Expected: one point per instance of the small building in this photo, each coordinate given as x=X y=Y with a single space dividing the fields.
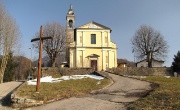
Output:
x=155 y=63
x=122 y=65
x=63 y=64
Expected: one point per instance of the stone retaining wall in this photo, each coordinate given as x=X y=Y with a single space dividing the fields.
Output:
x=142 y=71
x=49 y=71
x=22 y=102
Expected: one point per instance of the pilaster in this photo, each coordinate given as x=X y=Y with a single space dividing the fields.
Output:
x=83 y=39
x=108 y=39
x=109 y=58
x=83 y=58
x=103 y=62
x=102 y=38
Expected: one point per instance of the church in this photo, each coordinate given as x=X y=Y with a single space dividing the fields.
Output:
x=89 y=45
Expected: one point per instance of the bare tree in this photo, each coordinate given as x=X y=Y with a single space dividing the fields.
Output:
x=9 y=37
x=55 y=46
x=149 y=44
x=23 y=68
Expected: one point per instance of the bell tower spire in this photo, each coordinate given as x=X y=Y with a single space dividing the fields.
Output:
x=70 y=18
x=70 y=6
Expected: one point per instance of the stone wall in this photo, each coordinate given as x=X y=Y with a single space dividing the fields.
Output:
x=20 y=102
x=23 y=102
x=143 y=71
x=49 y=71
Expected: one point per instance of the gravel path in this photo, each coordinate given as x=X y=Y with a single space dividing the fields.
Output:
x=123 y=90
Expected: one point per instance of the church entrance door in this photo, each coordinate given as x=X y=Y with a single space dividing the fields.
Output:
x=94 y=64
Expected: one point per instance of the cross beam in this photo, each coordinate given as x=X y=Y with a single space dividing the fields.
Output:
x=40 y=39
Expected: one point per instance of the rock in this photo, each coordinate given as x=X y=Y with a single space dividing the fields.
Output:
x=20 y=101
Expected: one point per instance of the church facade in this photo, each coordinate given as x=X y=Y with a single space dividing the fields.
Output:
x=89 y=45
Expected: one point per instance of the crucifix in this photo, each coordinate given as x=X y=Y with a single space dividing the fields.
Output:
x=40 y=39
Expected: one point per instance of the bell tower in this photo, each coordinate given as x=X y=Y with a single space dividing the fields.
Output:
x=70 y=20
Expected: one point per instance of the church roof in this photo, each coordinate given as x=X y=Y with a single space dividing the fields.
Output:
x=93 y=25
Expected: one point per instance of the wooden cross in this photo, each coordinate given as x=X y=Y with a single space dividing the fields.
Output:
x=40 y=39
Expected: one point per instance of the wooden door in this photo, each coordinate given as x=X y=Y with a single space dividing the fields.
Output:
x=94 y=64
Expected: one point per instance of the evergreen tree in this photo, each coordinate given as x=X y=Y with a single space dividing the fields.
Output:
x=9 y=71
x=176 y=62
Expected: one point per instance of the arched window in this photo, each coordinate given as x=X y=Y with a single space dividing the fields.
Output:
x=70 y=23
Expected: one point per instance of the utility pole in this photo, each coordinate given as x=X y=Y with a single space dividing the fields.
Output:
x=40 y=39
x=133 y=51
x=31 y=58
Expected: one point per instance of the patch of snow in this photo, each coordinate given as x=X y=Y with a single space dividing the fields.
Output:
x=44 y=79
x=51 y=80
x=96 y=77
x=167 y=76
x=72 y=77
x=81 y=76
x=31 y=82
x=142 y=76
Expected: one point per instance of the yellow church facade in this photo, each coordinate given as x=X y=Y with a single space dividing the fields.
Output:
x=91 y=46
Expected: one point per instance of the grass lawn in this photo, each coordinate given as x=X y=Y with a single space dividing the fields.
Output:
x=164 y=97
x=63 y=89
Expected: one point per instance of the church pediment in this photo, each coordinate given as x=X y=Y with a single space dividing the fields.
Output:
x=93 y=56
x=93 y=25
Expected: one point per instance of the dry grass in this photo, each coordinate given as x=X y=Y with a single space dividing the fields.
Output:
x=64 y=89
x=165 y=97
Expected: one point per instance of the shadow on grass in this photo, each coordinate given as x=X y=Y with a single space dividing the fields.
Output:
x=142 y=94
